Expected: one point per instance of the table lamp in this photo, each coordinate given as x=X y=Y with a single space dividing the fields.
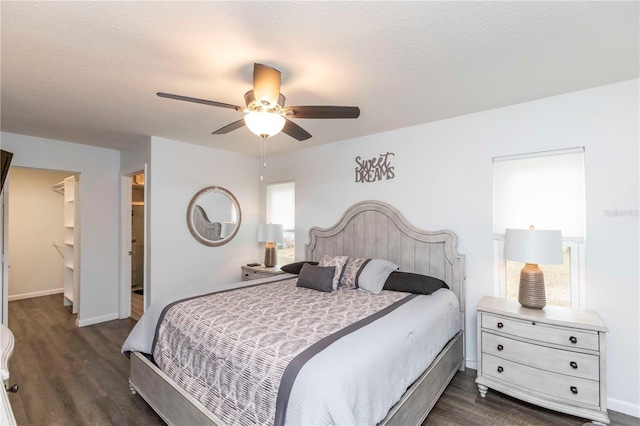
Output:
x=270 y=233
x=533 y=247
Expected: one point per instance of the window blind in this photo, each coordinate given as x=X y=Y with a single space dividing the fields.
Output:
x=544 y=189
x=281 y=204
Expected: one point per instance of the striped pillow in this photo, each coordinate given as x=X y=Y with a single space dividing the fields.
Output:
x=351 y=270
x=338 y=262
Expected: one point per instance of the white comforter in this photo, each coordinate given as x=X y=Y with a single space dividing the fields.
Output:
x=360 y=388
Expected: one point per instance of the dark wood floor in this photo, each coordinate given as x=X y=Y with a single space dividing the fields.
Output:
x=69 y=375
x=77 y=376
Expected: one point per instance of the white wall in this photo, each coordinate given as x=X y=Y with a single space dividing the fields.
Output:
x=36 y=221
x=443 y=179
x=99 y=215
x=177 y=172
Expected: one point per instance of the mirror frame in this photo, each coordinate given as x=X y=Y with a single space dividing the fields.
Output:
x=192 y=206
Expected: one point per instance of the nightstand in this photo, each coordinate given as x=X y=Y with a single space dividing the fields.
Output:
x=552 y=357
x=257 y=272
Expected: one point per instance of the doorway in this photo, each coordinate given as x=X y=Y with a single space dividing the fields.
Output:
x=43 y=235
x=137 y=245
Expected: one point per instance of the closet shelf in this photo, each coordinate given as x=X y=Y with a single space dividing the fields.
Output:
x=71 y=255
x=58 y=187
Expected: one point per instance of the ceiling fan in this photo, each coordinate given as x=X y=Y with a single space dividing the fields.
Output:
x=265 y=113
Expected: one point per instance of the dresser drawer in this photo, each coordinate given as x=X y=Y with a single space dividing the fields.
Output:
x=570 y=337
x=561 y=361
x=573 y=389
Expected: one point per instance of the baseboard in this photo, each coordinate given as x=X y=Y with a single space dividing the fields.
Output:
x=34 y=294
x=472 y=364
x=623 y=407
x=95 y=320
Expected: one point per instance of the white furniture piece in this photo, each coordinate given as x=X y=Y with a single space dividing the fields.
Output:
x=6 y=350
x=554 y=357
x=369 y=229
x=257 y=272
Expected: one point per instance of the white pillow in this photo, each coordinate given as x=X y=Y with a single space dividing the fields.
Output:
x=374 y=274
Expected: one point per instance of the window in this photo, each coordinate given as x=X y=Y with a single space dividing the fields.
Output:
x=545 y=190
x=281 y=209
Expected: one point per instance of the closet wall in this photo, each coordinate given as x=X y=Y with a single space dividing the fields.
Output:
x=36 y=237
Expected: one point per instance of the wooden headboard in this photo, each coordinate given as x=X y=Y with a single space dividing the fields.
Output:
x=376 y=230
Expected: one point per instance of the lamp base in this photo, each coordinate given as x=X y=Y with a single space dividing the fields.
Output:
x=270 y=255
x=531 y=293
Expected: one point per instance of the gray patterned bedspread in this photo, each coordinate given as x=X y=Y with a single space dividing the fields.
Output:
x=230 y=350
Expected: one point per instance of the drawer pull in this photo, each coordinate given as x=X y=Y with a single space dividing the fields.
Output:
x=574 y=390
x=500 y=369
x=573 y=364
x=500 y=325
x=500 y=347
x=573 y=339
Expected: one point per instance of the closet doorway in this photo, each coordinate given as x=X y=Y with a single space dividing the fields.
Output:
x=137 y=246
x=44 y=235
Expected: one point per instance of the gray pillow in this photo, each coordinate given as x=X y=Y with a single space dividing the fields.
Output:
x=316 y=277
x=374 y=274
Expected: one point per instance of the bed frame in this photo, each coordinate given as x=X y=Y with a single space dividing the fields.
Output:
x=369 y=229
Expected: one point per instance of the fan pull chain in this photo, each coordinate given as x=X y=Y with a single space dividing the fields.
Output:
x=264 y=163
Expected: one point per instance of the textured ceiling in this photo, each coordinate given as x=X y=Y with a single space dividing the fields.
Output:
x=88 y=72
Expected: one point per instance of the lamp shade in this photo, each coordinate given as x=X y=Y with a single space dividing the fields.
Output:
x=270 y=232
x=264 y=124
x=533 y=246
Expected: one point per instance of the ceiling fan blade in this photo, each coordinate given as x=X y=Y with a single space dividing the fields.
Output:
x=229 y=127
x=295 y=131
x=198 y=101
x=266 y=84
x=323 y=112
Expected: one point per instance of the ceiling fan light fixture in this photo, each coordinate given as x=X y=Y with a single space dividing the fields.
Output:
x=264 y=124
x=265 y=113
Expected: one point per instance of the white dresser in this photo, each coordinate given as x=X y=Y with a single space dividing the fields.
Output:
x=553 y=357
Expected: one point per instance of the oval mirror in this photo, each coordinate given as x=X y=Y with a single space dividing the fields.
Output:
x=214 y=216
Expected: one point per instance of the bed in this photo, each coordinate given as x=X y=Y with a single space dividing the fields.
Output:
x=367 y=230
